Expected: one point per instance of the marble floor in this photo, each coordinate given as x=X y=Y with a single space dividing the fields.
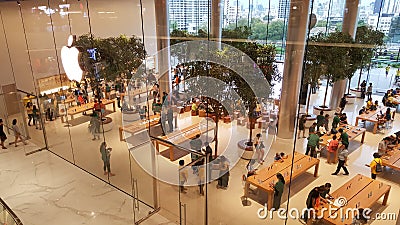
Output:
x=43 y=188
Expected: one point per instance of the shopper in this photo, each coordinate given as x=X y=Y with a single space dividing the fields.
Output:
x=17 y=133
x=375 y=165
x=363 y=86
x=106 y=156
x=170 y=119
x=369 y=91
x=259 y=145
x=143 y=112
x=278 y=191
x=342 y=103
x=326 y=122
x=312 y=203
x=302 y=124
x=335 y=121
x=388 y=118
x=94 y=126
x=312 y=128
x=3 y=136
x=344 y=153
x=344 y=138
x=313 y=143
x=320 y=119
x=36 y=118
x=201 y=176
x=332 y=150
x=29 y=108
x=325 y=191
x=223 y=173
x=183 y=176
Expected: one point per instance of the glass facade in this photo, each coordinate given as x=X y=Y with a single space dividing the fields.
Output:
x=146 y=141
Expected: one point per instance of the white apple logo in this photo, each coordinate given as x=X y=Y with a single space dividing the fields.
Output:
x=70 y=60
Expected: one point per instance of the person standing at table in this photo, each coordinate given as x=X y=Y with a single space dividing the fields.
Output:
x=313 y=143
x=3 y=136
x=17 y=133
x=302 y=124
x=312 y=128
x=363 y=86
x=278 y=191
x=326 y=122
x=312 y=203
x=335 y=121
x=259 y=144
x=170 y=119
x=105 y=156
x=344 y=138
x=343 y=155
x=375 y=165
x=332 y=150
x=320 y=119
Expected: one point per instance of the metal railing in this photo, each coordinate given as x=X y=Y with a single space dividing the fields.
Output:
x=7 y=216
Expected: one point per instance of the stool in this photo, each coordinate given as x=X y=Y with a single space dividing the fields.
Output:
x=188 y=108
x=194 y=113
x=227 y=119
x=181 y=109
x=202 y=113
x=241 y=121
x=261 y=124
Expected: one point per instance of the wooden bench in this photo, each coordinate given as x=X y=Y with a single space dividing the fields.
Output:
x=267 y=176
x=359 y=192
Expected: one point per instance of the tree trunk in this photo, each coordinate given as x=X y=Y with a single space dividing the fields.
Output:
x=359 y=79
x=308 y=100
x=326 y=91
x=348 y=88
x=216 y=132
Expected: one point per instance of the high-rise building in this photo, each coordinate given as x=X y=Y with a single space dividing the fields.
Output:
x=377 y=6
x=231 y=11
x=188 y=15
x=337 y=8
x=283 y=10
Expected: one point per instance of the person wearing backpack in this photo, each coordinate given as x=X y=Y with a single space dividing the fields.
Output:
x=375 y=165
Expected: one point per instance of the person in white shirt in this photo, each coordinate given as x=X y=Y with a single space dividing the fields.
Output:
x=17 y=133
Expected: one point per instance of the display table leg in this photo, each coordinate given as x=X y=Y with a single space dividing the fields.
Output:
x=385 y=199
x=316 y=170
x=362 y=138
x=270 y=200
x=375 y=127
x=121 y=138
x=356 y=121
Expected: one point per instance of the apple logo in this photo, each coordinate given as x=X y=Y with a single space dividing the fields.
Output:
x=70 y=60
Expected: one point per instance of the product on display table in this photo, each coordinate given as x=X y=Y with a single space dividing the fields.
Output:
x=372 y=116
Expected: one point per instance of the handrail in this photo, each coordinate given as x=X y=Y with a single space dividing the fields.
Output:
x=10 y=212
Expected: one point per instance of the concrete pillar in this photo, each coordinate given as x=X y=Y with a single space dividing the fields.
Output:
x=295 y=43
x=162 y=33
x=216 y=20
x=349 y=26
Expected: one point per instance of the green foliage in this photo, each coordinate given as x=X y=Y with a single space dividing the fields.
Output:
x=321 y=23
x=117 y=56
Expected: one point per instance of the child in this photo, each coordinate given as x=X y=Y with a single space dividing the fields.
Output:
x=17 y=133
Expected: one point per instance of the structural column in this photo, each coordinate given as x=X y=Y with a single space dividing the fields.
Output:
x=162 y=33
x=295 y=44
x=216 y=19
x=349 y=26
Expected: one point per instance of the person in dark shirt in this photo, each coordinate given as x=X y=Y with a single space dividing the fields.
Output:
x=320 y=119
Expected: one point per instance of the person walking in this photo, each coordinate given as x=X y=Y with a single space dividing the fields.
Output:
x=201 y=176
x=302 y=125
x=326 y=122
x=363 y=86
x=29 y=108
x=343 y=155
x=369 y=91
x=183 y=176
x=313 y=143
x=375 y=165
x=332 y=150
x=105 y=156
x=170 y=119
x=3 y=136
x=259 y=144
x=223 y=173
x=387 y=69
x=36 y=118
x=278 y=191
x=17 y=133
x=94 y=126
x=342 y=103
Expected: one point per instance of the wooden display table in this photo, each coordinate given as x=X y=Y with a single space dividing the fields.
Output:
x=267 y=176
x=68 y=101
x=372 y=116
x=352 y=131
x=182 y=135
x=392 y=160
x=138 y=126
x=359 y=192
x=86 y=107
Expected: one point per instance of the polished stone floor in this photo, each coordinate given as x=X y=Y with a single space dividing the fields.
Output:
x=45 y=189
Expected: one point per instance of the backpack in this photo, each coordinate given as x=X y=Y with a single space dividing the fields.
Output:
x=378 y=167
